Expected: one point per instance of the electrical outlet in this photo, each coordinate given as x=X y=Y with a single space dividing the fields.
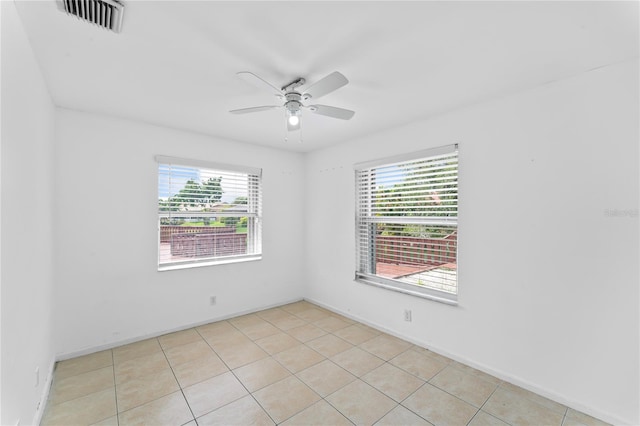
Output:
x=407 y=315
x=212 y=300
x=37 y=376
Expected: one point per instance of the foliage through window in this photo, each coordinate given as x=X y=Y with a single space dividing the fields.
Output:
x=207 y=213
x=407 y=223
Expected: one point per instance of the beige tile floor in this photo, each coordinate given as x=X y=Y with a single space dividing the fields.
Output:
x=294 y=365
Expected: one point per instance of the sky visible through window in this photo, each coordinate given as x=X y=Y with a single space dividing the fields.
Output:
x=181 y=174
x=392 y=175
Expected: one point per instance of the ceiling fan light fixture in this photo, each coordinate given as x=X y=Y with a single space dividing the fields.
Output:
x=293 y=109
x=294 y=120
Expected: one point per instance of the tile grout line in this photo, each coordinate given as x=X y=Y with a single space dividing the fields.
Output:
x=356 y=377
x=149 y=374
x=282 y=320
x=449 y=364
x=425 y=381
x=234 y=375
x=566 y=409
x=324 y=398
x=178 y=382
x=229 y=370
x=269 y=356
x=115 y=386
x=336 y=408
x=485 y=403
x=409 y=396
x=457 y=397
x=359 y=378
x=49 y=403
x=365 y=382
x=292 y=374
x=564 y=417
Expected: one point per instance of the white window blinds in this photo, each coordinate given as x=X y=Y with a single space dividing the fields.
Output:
x=207 y=213
x=407 y=223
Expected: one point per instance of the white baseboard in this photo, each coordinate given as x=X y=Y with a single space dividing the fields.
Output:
x=44 y=397
x=607 y=417
x=86 y=351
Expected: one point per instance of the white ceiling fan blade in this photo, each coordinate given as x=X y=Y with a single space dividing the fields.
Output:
x=329 y=111
x=254 y=109
x=333 y=81
x=259 y=82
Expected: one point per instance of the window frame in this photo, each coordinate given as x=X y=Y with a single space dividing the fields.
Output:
x=254 y=212
x=365 y=227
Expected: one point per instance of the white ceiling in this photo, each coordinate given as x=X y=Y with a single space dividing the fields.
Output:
x=174 y=63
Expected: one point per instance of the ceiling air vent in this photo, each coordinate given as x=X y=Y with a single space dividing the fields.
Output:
x=104 y=13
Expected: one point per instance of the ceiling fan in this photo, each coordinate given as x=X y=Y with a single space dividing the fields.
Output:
x=294 y=100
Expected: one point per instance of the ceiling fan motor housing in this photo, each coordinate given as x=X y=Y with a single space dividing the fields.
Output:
x=293 y=103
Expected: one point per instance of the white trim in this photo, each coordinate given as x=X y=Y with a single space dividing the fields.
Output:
x=400 y=287
x=389 y=161
x=44 y=397
x=207 y=262
x=87 y=351
x=163 y=159
x=607 y=417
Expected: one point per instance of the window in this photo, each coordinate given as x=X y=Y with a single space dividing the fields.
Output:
x=207 y=213
x=407 y=223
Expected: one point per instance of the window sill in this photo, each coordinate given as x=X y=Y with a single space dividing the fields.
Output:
x=417 y=293
x=196 y=264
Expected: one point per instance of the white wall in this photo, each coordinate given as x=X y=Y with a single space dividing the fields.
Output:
x=26 y=223
x=108 y=289
x=548 y=281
